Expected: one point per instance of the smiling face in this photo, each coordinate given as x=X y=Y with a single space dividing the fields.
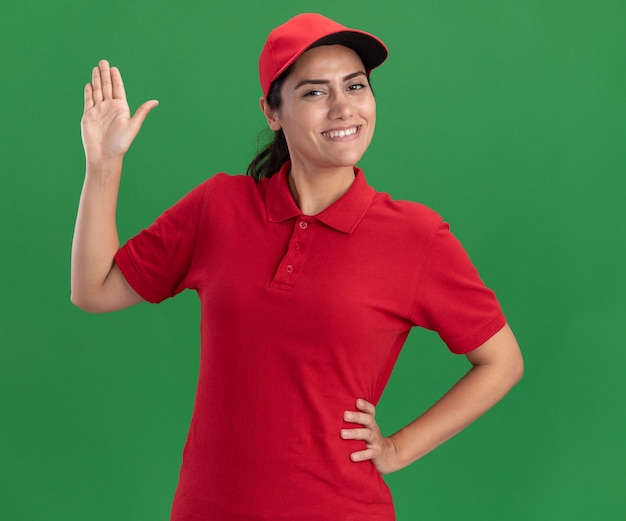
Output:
x=328 y=112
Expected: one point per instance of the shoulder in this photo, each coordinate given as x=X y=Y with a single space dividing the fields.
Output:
x=403 y=207
x=405 y=216
x=228 y=198
x=213 y=194
x=235 y=185
x=224 y=181
x=222 y=189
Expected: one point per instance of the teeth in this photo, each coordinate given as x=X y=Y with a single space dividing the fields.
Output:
x=340 y=133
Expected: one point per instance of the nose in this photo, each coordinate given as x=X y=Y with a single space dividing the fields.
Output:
x=340 y=106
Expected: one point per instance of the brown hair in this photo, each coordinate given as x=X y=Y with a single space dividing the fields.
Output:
x=275 y=154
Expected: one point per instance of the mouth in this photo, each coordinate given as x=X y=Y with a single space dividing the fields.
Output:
x=342 y=133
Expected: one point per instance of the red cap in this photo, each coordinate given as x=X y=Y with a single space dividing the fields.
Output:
x=289 y=41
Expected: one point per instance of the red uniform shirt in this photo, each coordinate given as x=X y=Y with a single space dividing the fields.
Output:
x=301 y=315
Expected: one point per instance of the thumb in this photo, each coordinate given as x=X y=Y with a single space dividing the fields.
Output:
x=142 y=112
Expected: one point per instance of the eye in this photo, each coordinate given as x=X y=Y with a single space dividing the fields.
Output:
x=357 y=86
x=313 y=93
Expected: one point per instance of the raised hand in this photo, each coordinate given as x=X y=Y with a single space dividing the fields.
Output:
x=107 y=126
x=108 y=131
x=380 y=450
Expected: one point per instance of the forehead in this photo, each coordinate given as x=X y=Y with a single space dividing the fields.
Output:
x=327 y=60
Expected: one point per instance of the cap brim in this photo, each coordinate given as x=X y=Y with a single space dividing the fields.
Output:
x=370 y=49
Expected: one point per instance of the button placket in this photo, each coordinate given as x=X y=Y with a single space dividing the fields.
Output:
x=291 y=265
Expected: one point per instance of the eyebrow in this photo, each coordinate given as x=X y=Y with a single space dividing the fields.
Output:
x=326 y=82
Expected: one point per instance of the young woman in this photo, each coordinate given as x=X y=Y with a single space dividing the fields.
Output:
x=309 y=281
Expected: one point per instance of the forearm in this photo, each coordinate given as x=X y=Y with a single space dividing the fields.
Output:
x=95 y=237
x=479 y=390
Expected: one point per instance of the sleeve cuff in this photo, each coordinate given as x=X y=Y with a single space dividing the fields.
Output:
x=467 y=344
x=133 y=276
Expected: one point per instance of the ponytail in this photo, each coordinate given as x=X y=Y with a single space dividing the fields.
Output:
x=275 y=154
x=269 y=160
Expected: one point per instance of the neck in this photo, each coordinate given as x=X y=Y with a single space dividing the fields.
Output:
x=316 y=191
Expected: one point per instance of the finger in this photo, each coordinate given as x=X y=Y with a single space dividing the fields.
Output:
x=105 y=75
x=96 y=85
x=117 y=84
x=361 y=418
x=363 y=455
x=358 y=434
x=141 y=113
x=365 y=406
x=88 y=97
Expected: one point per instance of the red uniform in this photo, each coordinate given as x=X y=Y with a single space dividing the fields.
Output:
x=301 y=315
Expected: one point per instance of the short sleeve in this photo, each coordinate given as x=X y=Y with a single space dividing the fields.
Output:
x=451 y=298
x=157 y=260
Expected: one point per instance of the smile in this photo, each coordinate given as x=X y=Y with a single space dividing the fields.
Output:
x=341 y=133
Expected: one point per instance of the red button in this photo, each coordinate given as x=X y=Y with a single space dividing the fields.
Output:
x=296 y=246
x=289 y=268
x=303 y=225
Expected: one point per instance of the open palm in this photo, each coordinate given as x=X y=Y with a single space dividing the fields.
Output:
x=107 y=126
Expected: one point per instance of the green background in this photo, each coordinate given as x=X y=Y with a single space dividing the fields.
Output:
x=507 y=117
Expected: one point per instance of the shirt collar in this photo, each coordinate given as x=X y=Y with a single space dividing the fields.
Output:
x=343 y=215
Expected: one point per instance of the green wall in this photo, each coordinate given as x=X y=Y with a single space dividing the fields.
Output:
x=507 y=117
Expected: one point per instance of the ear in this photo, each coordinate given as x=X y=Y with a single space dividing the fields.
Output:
x=271 y=115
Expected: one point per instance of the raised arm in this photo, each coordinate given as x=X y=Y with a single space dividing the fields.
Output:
x=107 y=132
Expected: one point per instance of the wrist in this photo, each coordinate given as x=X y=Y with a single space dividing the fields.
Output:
x=104 y=168
x=111 y=162
x=406 y=447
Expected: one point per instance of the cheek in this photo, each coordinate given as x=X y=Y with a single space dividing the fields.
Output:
x=372 y=109
x=367 y=108
x=369 y=112
x=373 y=119
x=304 y=121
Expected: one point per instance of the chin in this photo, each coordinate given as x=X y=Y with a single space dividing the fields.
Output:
x=348 y=159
